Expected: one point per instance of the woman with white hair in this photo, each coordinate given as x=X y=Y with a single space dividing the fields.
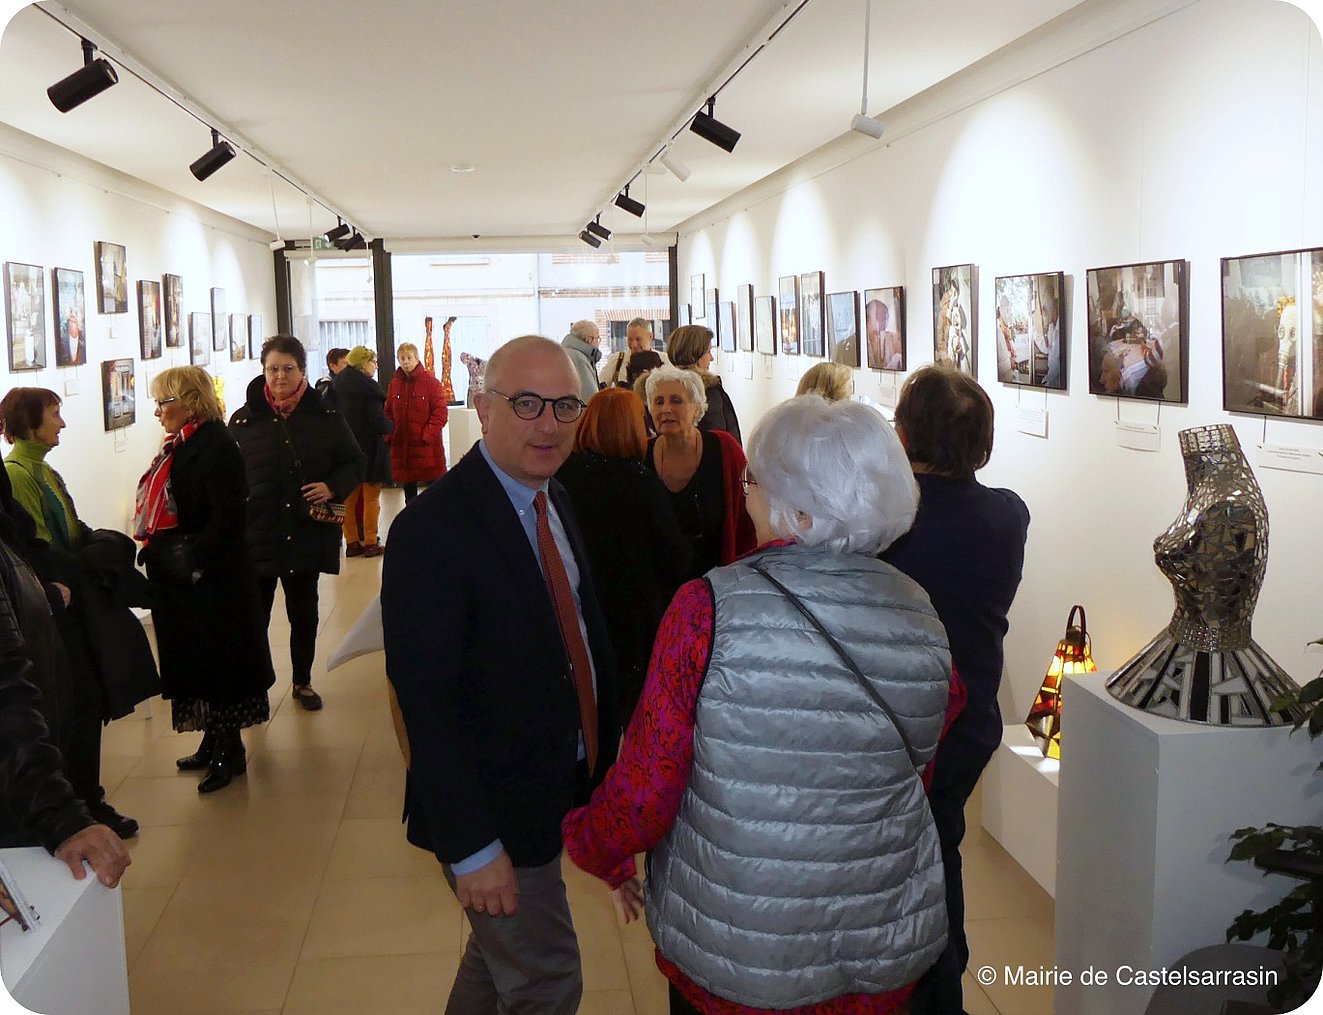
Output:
x=777 y=763
x=700 y=469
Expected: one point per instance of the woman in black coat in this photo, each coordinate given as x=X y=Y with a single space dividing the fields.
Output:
x=215 y=663
x=298 y=455
x=638 y=554
x=363 y=404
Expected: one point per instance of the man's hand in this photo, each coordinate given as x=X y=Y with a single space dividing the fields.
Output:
x=100 y=847
x=628 y=900
x=491 y=889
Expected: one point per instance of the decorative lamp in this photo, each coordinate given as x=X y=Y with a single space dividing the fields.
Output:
x=1072 y=656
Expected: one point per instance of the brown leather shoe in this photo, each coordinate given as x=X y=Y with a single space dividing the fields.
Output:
x=375 y=550
x=354 y=550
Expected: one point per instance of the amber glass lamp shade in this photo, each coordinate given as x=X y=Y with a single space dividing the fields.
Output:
x=1072 y=656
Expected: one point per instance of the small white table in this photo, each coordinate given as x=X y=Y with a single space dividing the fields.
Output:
x=1020 y=804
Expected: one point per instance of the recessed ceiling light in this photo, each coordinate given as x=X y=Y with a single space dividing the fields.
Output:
x=463 y=167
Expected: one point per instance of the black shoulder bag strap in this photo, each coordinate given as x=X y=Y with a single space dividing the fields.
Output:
x=845 y=658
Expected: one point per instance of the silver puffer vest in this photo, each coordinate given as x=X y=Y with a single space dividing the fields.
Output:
x=804 y=862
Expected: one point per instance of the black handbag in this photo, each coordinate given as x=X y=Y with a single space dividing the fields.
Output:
x=171 y=555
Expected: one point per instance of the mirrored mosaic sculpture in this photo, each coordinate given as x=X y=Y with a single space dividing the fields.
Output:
x=1205 y=667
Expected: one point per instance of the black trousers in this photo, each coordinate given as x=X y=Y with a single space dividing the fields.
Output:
x=80 y=735
x=410 y=491
x=301 y=609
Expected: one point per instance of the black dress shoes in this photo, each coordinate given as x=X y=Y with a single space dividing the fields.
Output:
x=103 y=813
x=228 y=759
x=202 y=758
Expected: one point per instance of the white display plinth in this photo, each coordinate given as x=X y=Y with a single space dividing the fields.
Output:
x=1146 y=806
x=1020 y=804
x=74 y=960
x=463 y=431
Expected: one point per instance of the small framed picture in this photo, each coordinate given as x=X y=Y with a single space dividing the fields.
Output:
x=843 y=328
x=255 y=336
x=744 y=317
x=1139 y=330
x=710 y=316
x=811 y=311
x=788 y=305
x=172 y=298
x=112 y=277
x=219 y=321
x=70 y=317
x=726 y=326
x=238 y=337
x=150 y=335
x=199 y=339
x=117 y=393
x=764 y=325
x=25 y=300
x=1031 y=330
x=884 y=321
x=955 y=317
x=686 y=314
x=697 y=284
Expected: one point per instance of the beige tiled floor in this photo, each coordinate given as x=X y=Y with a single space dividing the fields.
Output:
x=294 y=891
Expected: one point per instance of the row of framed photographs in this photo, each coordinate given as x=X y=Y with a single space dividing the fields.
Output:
x=1137 y=323
x=160 y=318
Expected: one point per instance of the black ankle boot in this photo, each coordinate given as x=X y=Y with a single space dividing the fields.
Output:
x=202 y=758
x=227 y=760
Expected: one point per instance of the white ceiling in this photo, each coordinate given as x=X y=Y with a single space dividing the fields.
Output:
x=556 y=103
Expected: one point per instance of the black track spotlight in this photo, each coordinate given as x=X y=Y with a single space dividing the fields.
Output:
x=597 y=229
x=218 y=155
x=590 y=239
x=357 y=242
x=340 y=230
x=709 y=128
x=626 y=203
x=93 y=78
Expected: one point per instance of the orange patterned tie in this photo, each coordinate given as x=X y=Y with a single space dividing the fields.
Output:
x=558 y=583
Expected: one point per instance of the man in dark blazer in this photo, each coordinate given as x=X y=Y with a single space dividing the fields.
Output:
x=486 y=673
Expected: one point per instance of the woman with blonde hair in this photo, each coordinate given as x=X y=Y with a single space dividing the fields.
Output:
x=833 y=381
x=690 y=348
x=416 y=406
x=210 y=634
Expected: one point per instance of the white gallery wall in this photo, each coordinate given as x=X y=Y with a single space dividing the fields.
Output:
x=1197 y=136
x=53 y=206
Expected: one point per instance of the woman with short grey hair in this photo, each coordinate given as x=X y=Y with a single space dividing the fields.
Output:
x=778 y=762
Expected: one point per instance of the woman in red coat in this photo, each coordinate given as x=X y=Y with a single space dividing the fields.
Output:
x=415 y=404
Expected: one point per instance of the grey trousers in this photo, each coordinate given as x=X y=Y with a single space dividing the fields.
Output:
x=526 y=964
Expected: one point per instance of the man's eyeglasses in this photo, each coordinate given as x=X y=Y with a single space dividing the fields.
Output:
x=161 y=403
x=747 y=481
x=527 y=405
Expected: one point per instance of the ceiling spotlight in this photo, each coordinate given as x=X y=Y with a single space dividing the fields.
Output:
x=218 y=155
x=93 y=78
x=646 y=239
x=652 y=169
x=357 y=242
x=590 y=239
x=626 y=203
x=869 y=125
x=709 y=128
x=678 y=169
x=863 y=123
x=596 y=228
x=338 y=231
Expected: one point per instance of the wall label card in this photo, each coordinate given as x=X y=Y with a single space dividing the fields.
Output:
x=888 y=397
x=71 y=386
x=1139 y=436
x=1291 y=458
x=748 y=368
x=1031 y=421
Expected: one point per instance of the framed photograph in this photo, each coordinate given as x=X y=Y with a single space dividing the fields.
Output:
x=788 y=291
x=955 y=317
x=70 y=317
x=710 y=316
x=1272 y=333
x=726 y=326
x=238 y=337
x=764 y=325
x=744 y=316
x=1031 y=330
x=1139 y=330
x=884 y=318
x=25 y=302
x=219 y=321
x=843 y=328
x=172 y=298
x=255 y=336
x=149 y=319
x=697 y=285
x=811 y=313
x=117 y=393
x=112 y=277
x=199 y=339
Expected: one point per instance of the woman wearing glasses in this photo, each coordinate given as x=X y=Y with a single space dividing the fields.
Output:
x=298 y=453
x=776 y=766
x=210 y=634
x=700 y=469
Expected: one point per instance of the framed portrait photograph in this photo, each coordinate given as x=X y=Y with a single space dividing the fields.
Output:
x=710 y=316
x=172 y=300
x=726 y=326
x=1272 y=333
x=255 y=336
x=199 y=339
x=744 y=317
x=811 y=314
x=219 y=320
x=788 y=293
x=112 y=277
x=764 y=325
x=70 y=317
x=843 y=328
x=25 y=306
x=697 y=290
x=117 y=394
x=1138 y=318
x=1031 y=330
x=150 y=334
x=955 y=317
x=884 y=323
x=238 y=337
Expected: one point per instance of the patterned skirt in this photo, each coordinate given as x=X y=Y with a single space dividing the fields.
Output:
x=195 y=715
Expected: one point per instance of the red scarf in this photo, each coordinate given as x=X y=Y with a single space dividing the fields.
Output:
x=154 y=509
x=284 y=407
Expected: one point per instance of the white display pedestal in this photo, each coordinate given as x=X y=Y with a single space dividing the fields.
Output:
x=74 y=960
x=1020 y=804
x=1146 y=807
x=462 y=432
